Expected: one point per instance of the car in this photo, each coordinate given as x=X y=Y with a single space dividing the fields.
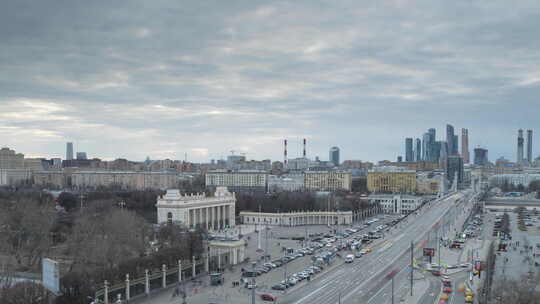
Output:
x=279 y=287
x=358 y=254
x=251 y=285
x=447 y=290
x=436 y=273
x=268 y=297
x=270 y=265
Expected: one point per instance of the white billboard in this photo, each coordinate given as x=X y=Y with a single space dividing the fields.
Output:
x=50 y=273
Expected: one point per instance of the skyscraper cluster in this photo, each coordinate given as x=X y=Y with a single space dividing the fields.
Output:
x=431 y=150
x=445 y=152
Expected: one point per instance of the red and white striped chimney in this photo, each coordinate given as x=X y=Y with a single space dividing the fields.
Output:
x=304 y=148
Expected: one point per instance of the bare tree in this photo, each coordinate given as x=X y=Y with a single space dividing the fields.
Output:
x=24 y=293
x=25 y=230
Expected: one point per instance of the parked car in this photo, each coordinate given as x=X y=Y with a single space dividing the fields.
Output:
x=279 y=287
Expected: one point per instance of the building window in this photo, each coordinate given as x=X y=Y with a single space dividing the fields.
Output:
x=169 y=218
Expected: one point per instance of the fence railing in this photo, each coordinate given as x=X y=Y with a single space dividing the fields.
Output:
x=151 y=282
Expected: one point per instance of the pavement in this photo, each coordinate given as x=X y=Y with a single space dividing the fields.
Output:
x=363 y=281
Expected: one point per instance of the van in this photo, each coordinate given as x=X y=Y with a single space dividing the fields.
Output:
x=349 y=258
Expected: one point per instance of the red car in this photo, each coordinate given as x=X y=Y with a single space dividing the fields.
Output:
x=447 y=290
x=436 y=273
x=267 y=297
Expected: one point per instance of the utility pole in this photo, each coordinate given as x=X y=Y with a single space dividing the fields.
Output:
x=253 y=284
x=412 y=267
x=266 y=251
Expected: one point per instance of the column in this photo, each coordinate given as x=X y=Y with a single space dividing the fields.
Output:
x=179 y=271
x=127 y=288
x=193 y=270
x=219 y=257
x=219 y=217
x=146 y=283
x=164 y=277
x=207 y=262
x=106 y=292
x=206 y=217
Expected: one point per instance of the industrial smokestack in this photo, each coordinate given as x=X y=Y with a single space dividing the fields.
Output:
x=285 y=153
x=304 y=148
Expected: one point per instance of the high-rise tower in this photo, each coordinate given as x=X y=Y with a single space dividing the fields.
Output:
x=409 y=156
x=450 y=139
x=465 y=146
x=69 y=151
x=529 y=147
x=418 y=150
x=519 y=160
x=334 y=156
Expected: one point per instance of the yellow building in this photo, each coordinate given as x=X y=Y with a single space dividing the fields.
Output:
x=327 y=180
x=392 y=181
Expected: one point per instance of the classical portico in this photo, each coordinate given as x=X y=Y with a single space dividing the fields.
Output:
x=197 y=210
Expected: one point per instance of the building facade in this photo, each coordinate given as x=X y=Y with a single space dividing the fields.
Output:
x=14 y=177
x=9 y=159
x=124 y=179
x=403 y=181
x=69 y=151
x=428 y=185
x=287 y=182
x=515 y=179
x=198 y=211
x=397 y=204
x=327 y=180
x=51 y=179
x=292 y=219
x=238 y=181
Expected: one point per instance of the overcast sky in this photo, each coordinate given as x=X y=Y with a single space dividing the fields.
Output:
x=162 y=78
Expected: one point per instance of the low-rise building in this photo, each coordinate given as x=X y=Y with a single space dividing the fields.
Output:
x=13 y=177
x=397 y=204
x=124 y=179
x=192 y=211
x=297 y=218
x=287 y=182
x=51 y=179
x=226 y=252
x=514 y=179
x=9 y=159
x=392 y=181
x=327 y=180
x=428 y=185
x=238 y=181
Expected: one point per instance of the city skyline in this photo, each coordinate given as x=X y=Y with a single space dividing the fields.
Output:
x=246 y=76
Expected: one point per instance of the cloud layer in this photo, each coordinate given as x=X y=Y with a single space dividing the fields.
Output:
x=167 y=77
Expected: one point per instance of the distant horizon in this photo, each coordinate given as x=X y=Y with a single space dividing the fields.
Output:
x=471 y=151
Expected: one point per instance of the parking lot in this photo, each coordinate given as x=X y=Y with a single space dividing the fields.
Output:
x=295 y=261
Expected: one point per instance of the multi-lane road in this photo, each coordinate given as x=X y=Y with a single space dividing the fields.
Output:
x=365 y=280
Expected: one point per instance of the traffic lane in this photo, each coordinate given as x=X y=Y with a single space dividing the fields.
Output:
x=350 y=277
x=384 y=261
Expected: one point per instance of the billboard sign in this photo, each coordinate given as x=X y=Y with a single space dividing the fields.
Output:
x=50 y=274
x=430 y=252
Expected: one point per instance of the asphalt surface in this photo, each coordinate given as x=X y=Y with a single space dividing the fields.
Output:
x=365 y=280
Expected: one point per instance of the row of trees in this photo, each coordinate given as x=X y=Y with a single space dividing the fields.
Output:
x=506 y=186
x=298 y=201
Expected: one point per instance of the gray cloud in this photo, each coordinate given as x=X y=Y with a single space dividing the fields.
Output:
x=130 y=79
